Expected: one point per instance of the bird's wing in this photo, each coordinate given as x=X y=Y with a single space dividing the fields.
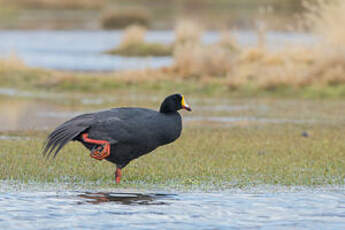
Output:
x=112 y=129
x=66 y=132
x=121 y=125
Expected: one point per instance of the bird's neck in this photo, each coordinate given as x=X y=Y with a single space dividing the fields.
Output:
x=165 y=108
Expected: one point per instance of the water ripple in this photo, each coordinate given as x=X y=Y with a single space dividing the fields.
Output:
x=193 y=210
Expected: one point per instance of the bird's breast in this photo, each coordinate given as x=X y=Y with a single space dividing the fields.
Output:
x=171 y=129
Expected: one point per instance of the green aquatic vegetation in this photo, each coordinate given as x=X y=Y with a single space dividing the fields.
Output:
x=204 y=155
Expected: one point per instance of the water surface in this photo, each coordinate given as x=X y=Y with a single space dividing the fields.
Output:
x=84 y=50
x=303 y=209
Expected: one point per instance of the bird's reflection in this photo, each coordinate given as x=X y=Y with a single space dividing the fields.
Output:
x=125 y=198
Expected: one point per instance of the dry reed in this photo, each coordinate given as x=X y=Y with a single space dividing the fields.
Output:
x=188 y=32
x=294 y=65
x=133 y=34
x=320 y=64
x=12 y=62
x=133 y=44
x=195 y=60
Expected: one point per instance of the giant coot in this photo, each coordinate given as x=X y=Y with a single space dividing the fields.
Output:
x=120 y=135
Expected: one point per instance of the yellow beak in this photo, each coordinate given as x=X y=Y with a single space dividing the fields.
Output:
x=185 y=105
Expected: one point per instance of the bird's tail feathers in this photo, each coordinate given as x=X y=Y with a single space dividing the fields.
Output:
x=65 y=133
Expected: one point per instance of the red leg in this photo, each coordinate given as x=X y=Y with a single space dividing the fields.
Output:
x=103 y=153
x=118 y=175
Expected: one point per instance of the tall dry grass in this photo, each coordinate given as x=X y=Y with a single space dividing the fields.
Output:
x=320 y=64
x=326 y=19
x=195 y=60
x=293 y=65
x=133 y=44
x=187 y=31
x=12 y=62
x=192 y=57
x=133 y=34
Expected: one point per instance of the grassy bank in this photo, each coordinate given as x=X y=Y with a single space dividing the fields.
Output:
x=14 y=74
x=211 y=156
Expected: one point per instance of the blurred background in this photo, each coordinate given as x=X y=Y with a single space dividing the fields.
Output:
x=155 y=14
x=76 y=34
x=246 y=48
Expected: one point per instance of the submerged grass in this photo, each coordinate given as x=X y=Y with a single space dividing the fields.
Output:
x=215 y=157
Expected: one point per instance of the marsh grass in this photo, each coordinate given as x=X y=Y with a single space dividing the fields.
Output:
x=196 y=61
x=133 y=44
x=164 y=81
x=293 y=70
x=292 y=66
x=215 y=157
x=12 y=62
x=187 y=33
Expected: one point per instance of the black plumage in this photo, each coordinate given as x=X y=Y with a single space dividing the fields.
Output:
x=131 y=132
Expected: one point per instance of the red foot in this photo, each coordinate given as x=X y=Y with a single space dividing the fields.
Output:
x=118 y=175
x=102 y=151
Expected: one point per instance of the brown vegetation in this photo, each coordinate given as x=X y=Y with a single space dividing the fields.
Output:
x=133 y=44
x=12 y=62
x=291 y=66
x=120 y=18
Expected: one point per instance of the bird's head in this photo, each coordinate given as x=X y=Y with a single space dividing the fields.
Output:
x=173 y=103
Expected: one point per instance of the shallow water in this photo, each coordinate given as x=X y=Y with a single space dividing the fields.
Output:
x=304 y=209
x=33 y=112
x=83 y=50
x=22 y=110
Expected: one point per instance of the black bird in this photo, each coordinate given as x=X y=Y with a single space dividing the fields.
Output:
x=120 y=135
